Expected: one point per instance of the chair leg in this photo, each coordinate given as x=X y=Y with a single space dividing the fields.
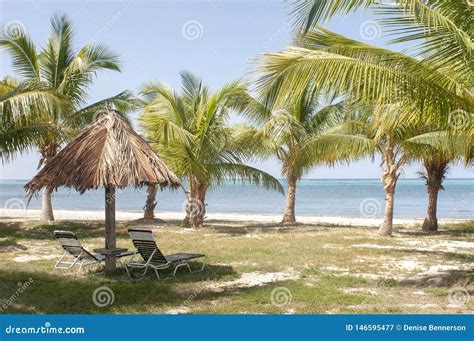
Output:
x=204 y=264
x=61 y=264
x=128 y=271
x=180 y=265
x=60 y=260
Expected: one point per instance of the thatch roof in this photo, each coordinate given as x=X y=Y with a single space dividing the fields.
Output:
x=107 y=152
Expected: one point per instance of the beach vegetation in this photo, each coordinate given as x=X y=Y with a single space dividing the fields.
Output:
x=190 y=129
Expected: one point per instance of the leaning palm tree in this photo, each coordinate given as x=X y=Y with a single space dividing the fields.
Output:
x=433 y=75
x=285 y=131
x=69 y=73
x=431 y=78
x=22 y=105
x=191 y=131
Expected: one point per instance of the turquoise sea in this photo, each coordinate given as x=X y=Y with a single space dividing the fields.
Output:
x=348 y=198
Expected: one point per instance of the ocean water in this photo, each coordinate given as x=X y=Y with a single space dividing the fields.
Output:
x=348 y=198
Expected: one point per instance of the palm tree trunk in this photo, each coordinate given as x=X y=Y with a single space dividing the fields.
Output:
x=189 y=201
x=387 y=226
x=47 y=153
x=46 y=205
x=198 y=212
x=149 y=209
x=431 y=220
x=289 y=214
x=435 y=173
x=196 y=203
x=389 y=180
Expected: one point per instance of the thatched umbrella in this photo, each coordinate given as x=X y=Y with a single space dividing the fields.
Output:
x=108 y=153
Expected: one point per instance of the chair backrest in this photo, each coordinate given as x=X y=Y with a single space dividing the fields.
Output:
x=72 y=245
x=145 y=244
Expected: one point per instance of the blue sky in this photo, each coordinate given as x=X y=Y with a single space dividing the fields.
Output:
x=158 y=39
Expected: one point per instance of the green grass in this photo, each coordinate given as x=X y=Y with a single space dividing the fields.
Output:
x=326 y=270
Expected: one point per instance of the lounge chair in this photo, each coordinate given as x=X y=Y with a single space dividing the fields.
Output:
x=153 y=258
x=72 y=247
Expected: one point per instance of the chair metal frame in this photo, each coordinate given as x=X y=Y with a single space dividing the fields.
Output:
x=84 y=258
x=61 y=264
x=156 y=267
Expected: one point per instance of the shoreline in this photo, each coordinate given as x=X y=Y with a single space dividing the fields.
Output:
x=31 y=215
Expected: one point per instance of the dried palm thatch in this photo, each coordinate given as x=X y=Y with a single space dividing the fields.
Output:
x=106 y=153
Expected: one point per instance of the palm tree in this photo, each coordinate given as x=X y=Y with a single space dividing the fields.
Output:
x=441 y=150
x=432 y=79
x=433 y=76
x=191 y=131
x=21 y=107
x=367 y=131
x=69 y=73
x=434 y=173
x=284 y=133
x=150 y=204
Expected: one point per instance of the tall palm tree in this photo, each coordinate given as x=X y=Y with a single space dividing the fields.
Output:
x=191 y=131
x=69 y=73
x=284 y=133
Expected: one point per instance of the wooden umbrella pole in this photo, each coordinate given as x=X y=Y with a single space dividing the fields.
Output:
x=110 y=240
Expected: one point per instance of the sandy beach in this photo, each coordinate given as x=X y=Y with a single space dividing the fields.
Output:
x=18 y=215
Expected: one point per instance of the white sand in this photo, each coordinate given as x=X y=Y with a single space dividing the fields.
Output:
x=17 y=214
x=252 y=279
x=29 y=258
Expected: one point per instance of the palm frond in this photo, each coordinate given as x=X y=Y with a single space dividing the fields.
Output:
x=122 y=103
x=58 y=52
x=242 y=173
x=23 y=53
